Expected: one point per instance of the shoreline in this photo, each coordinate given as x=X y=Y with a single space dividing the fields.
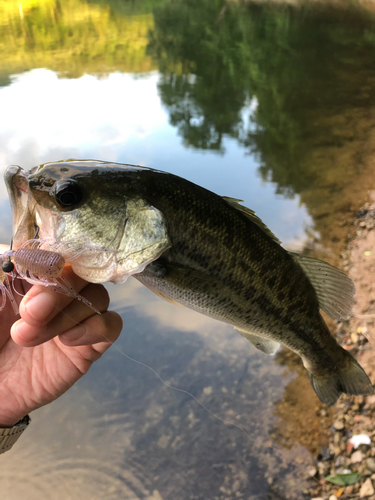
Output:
x=354 y=415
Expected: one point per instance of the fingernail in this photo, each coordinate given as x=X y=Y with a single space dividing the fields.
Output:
x=25 y=332
x=40 y=307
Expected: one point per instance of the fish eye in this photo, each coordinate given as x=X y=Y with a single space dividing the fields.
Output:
x=68 y=194
x=7 y=266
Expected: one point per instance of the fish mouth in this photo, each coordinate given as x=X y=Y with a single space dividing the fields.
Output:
x=22 y=204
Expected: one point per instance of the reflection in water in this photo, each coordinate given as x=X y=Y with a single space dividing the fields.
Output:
x=292 y=86
x=312 y=72
x=74 y=37
x=140 y=436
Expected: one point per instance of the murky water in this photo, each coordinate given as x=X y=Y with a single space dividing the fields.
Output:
x=270 y=104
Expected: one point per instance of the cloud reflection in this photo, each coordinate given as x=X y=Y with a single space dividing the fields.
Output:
x=132 y=294
x=120 y=117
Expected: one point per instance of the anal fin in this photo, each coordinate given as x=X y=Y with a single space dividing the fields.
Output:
x=263 y=344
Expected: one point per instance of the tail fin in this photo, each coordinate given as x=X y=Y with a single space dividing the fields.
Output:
x=351 y=380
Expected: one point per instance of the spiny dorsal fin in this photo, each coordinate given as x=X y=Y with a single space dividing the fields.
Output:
x=335 y=290
x=250 y=214
x=265 y=345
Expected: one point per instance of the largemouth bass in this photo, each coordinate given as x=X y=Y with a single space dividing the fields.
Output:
x=195 y=248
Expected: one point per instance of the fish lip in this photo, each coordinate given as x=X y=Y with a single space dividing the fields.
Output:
x=17 y=186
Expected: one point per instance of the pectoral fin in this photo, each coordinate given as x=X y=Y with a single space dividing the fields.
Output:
x=265 y=345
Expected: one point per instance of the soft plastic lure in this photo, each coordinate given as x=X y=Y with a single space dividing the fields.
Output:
x=37 y=265
x=6 y=289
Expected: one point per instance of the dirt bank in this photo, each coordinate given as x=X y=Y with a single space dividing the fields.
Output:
x=354 y=416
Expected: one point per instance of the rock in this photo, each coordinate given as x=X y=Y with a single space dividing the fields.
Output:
x=323 y=468
x=356 y=457
x=360 y=439
x=354 y=337
x=311 y=471
x=366 y=489
x=371 y=399
x=349 y=446
x=338 y=425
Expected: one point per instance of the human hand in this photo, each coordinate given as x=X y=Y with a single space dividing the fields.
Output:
x=53 y=344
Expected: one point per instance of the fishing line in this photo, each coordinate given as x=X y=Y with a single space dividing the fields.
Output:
x=177 y=389
x=183 y=391
x=169 y=386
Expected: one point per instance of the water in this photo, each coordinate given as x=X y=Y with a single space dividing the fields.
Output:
x=270 y=104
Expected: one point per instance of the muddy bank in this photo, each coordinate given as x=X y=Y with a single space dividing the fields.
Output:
x=354 y=416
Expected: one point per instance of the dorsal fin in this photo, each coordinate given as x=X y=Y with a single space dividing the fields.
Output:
x=250 y=214
x=335 y=290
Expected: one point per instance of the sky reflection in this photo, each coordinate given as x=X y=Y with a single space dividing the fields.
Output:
x=120 y=428
x=121 y=118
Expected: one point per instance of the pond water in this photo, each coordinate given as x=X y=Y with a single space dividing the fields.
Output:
x=270 y=104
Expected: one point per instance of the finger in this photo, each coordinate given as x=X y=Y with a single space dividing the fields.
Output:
x=41 y=303
x=103 y=329
x=74 y=313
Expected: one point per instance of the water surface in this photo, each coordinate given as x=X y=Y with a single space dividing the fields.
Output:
x=269 y=104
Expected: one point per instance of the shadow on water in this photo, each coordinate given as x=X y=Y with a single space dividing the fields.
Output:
x=292 y=85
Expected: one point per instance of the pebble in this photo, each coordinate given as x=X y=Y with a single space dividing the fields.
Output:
x=311 y=471
x=338 y=425
x=356 y=457
x=370 y=463
x=360 y=439
x=349 y=446
x=354 y=337
x=366 y=489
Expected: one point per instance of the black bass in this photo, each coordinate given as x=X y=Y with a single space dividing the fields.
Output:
x=193 y=247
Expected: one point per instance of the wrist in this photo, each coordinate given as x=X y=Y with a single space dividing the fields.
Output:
x=9 y=436
x=8 y=424
x=10 y=420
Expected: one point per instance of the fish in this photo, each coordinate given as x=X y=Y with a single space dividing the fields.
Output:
x=194 y=248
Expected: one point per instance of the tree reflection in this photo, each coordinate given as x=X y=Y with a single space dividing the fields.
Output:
x=311 y=72
x=75 y=37
x=301 y=64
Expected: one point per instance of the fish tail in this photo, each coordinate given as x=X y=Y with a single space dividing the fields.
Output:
x=351 y=379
